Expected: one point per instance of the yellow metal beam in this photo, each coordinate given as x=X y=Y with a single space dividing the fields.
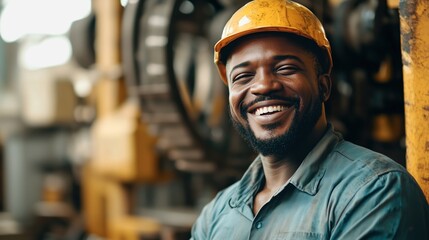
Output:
x=414 y=16
x=110 y=86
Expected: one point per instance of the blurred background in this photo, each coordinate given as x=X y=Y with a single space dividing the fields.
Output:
x=114 y=123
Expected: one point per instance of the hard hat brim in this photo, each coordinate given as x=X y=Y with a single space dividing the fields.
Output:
x=227 y=40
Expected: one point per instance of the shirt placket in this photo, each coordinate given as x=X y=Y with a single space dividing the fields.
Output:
x=258 y=222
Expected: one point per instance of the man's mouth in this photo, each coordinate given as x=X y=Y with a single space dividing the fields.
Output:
x=269 y=109
x=267 y=105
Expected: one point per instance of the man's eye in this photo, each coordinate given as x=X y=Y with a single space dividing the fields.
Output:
x=287 y=70
x=242 y=77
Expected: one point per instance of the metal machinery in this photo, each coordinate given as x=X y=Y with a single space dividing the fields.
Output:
x=161 y=144
x=167 y=61
x=415 y=39
x=177 y=106
x=368 y=75
x=167 y=58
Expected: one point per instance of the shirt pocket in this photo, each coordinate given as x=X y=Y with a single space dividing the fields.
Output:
x=299 y=236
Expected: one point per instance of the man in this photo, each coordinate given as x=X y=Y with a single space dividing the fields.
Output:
x=307 y=182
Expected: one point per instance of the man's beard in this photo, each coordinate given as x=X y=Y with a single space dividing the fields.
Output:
x=302 y=124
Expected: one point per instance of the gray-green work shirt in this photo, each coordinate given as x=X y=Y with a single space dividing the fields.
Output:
x=340 y=191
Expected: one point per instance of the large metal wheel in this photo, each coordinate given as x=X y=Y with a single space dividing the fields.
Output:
x=168 y=61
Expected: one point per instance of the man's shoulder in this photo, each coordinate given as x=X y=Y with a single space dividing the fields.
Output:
x=364 y=159
x=351 y=168
x=359 y=173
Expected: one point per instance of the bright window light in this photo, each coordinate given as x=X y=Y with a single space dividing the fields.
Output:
x=42 y=17
x=125 y=2
x=49 y=52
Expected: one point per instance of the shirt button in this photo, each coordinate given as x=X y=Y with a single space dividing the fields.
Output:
x=258 y=225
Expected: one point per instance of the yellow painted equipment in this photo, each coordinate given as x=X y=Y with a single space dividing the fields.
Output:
x=110 y=89
x=414 y=17
x=123 y=152
x=123 y=149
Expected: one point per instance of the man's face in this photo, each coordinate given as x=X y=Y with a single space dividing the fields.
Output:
x=274 y=98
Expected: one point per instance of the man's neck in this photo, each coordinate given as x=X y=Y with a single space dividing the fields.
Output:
x=279 y=169
x=277 y=172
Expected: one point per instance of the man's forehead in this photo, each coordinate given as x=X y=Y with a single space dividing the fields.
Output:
x=268 y=47
x=287 y=40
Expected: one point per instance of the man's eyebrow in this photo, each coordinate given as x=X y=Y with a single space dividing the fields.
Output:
x=284 y=57
x=243 y=64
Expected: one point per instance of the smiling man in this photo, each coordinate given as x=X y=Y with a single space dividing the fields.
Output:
x=307 y=182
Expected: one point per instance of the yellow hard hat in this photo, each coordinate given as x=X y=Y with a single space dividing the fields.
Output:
x=271 y=16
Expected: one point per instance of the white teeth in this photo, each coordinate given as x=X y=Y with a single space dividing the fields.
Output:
x=270 y=109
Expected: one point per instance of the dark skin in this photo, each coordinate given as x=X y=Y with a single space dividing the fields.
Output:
x=271 y=65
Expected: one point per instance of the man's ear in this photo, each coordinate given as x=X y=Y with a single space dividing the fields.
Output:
x=325 y=84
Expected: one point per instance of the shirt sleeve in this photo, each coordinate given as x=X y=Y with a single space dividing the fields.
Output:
x=200 y=227
x=392 y=206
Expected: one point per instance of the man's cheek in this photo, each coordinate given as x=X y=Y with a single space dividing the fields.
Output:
x=237 y=116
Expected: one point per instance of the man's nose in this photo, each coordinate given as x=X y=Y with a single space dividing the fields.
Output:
x=265 y=83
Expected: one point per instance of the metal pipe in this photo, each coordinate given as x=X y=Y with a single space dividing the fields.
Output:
x=110 y=89
x=414 y=17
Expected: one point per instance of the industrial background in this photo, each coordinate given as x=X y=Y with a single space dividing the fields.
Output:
x=114 y=123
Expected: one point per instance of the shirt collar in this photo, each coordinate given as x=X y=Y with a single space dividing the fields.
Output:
x=249 y=183
x=309 y=174
x=306 y=178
